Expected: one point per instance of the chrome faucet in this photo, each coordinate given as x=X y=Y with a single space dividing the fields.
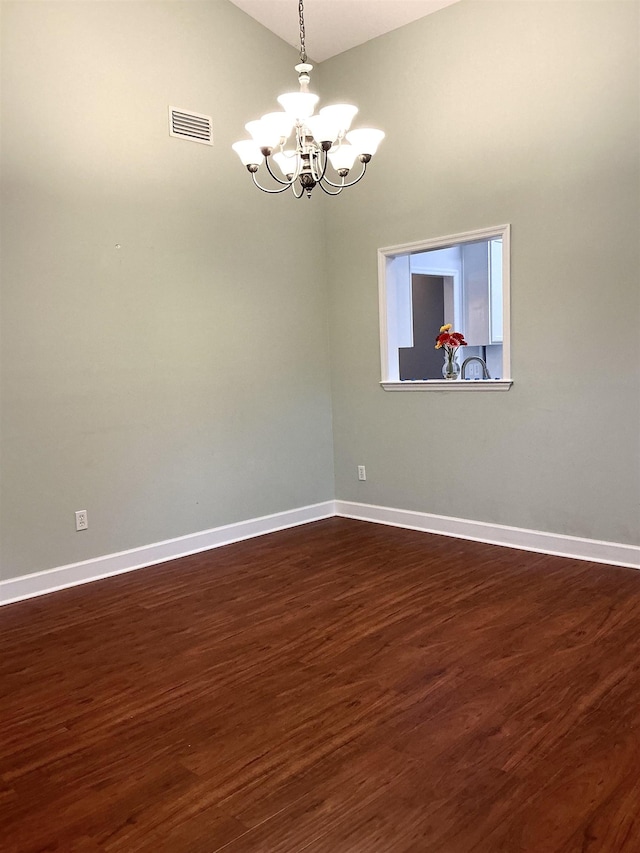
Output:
x=485 y=370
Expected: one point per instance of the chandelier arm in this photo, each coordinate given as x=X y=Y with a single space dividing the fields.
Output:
x=275 y=177
x=329 y=192
x=265 y=190
x=293 y=190
x=351 y=183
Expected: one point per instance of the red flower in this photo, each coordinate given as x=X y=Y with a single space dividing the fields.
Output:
x=450 y=340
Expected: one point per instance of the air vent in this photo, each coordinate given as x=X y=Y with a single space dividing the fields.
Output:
x=192 y=126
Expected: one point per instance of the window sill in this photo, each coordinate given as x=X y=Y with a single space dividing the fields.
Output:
x=448 y=385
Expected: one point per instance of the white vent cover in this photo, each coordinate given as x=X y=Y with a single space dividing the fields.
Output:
x=192 y=126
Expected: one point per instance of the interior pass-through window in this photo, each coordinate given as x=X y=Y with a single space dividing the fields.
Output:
x=460 y=282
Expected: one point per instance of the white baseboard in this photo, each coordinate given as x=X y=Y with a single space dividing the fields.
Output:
x=51 y=580
x=594 y=550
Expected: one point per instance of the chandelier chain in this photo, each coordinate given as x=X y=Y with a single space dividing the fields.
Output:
x=303 y=49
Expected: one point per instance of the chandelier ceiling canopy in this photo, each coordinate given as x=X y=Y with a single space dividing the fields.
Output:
x=322 y=150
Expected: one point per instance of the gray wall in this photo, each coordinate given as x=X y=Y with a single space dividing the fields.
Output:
x=500 y=112
x=180 y=382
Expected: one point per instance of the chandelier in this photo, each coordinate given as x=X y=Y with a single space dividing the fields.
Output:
x=321 y=141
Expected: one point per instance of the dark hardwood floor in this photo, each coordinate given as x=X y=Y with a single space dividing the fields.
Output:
x=333 y=688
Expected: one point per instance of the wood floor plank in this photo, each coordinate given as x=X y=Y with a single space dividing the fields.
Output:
x=340 y=687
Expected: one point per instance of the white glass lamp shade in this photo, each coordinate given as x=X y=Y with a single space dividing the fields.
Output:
x=281 y=123
x=343 y=157
x=321 y=130
x=287 y=162
x=365 y=140
x=331 y=122
x=341 y=115
x=248 y=151
x=264 y=135
x=298 y=105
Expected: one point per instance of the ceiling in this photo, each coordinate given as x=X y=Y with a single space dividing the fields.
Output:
x=333 y=26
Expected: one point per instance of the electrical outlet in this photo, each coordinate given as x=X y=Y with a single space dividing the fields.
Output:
x=362 y=474
x=82 y=520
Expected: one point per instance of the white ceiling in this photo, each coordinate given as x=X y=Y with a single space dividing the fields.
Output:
x=333 y=26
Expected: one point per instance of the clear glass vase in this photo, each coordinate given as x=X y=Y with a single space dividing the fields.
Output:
x=450 y=368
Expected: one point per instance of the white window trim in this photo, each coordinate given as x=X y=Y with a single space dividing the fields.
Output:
x=447 y=385
x=393 y=384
